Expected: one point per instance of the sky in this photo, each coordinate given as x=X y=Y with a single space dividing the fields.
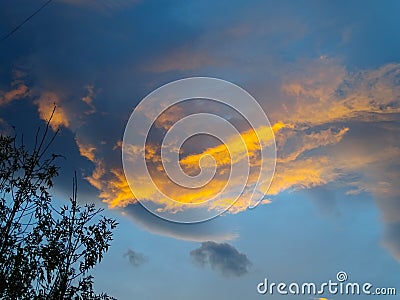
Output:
x=325 y=73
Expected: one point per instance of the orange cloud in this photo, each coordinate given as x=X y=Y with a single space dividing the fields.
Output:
x=96 y=178
x=313 y=125
x=291 y=173
x=368 y=160
x=304 y=173
x=45 y=106
x=240 y=147
x=113 y=187
x=19 y=92
x=116 y=192
x=251 y=142
x=318 y=142
x=88 y=99
x=86 y=150
x=326 y=93
x=169 y=117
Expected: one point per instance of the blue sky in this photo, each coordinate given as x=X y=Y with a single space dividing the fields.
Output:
x=327 y=73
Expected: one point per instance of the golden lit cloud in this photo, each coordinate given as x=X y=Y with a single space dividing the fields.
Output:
x=117 y=192
x=113 y=187
x=45 y=106
x=303 y=173
x=314 y=120
x=234 y=144
x=327 y=93
x=86 y=150
x=95 y=179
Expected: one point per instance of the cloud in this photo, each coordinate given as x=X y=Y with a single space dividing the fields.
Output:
x=341 y=123
x=235 y=152
x=110 y=182
x=234 y=146
x=222 y=258
x=88 y=99
x=362 y=157
x=325 y=200
x=213 y=230
x=315 y=131
x=135 y=258
x=325 y=92
x=366 y=161
x=320 y=103
x=46 y=104
x=18 y=92
x=320 y=99
x=293 y=142
x=86 y=150
x=323 y=128
x=299 y=164
x=182 y=59
x=72 y=111
x=391 y=239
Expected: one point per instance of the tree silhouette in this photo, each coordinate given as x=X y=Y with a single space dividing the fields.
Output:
x=45 y=253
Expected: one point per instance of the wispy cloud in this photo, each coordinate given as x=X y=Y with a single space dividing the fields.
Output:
x=19 y=89
x=183 y=59
x=17 y=92
x=89 y=98
x=325 y=92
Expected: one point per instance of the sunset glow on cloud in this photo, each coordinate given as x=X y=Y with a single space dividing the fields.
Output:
x=301 y=133
x=326 y=80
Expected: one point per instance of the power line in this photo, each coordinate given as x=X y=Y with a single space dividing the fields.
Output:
x=25 y=21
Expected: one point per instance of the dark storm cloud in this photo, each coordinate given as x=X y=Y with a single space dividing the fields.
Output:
x=222 y=258
x=135 y=258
